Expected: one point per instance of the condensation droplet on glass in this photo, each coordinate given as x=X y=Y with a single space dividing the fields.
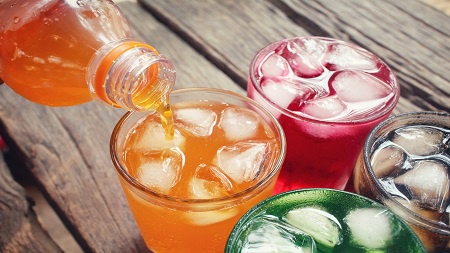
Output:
x=81 y=3
x=16 y=20
x=24 y=4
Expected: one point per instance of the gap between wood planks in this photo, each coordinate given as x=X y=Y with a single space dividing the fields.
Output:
x=50 y=221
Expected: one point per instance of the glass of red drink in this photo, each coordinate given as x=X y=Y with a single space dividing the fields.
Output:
x=327 y=94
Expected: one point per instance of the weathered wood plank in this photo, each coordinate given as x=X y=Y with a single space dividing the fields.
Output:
x=193 y=70
x=228 y=33
x=211 y=44
x=67 y=149
x=83 y=190
x=412 y=37
x=20 y=230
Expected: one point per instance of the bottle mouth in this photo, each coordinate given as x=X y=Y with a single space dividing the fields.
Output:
x=131 y=75
x=140 y=80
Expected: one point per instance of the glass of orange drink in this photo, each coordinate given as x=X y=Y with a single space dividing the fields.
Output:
x=187 y=189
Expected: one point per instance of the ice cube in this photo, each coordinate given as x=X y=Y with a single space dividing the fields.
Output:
x=304 y=59
x=314 y=47
x=387 y=161
x=199 y=218
x=160 y=171
x=199 y=122
x=275 y=66
x=428 y=183
x=324 y=108
x=154 y=138
x=239 y=123
x=341 y=57
x=412 y=205
x=268 y=235
x=307 y=91
x=208 y=182
x=370 y=227
x=279 y=92
x=243 y=161
x=322 y=226
x=353 y=86
x=419 y=140
x=388 y=184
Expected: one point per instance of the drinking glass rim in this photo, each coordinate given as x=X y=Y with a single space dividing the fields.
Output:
x=416 y=219
x=277 y=164
x=234 y=235
x=305 y=117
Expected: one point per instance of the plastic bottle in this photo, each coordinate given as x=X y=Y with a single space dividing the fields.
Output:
x=63 y=53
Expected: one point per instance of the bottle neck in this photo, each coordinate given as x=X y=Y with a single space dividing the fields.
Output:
x=131 y=75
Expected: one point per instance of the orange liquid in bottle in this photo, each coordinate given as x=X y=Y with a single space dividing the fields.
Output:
x=176 y=230
x=45 y=48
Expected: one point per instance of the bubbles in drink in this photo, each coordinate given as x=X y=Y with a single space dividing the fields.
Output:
x=306 y=75
x=243 y=161
x=199 y=122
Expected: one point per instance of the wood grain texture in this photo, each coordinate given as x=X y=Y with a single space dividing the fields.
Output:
x=227 y=32
x=410 y=36
x=20 y=230
x=67 y=149
x=193 y=69
x=211 y=43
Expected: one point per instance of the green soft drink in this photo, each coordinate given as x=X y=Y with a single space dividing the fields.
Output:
x=321 y=220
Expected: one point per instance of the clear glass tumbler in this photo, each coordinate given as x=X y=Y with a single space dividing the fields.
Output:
x=204 y=198
x=405 y=165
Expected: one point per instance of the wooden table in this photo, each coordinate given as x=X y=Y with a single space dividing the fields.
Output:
x=66 y=150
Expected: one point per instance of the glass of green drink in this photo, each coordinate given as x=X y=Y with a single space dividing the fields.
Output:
x=321 y=220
